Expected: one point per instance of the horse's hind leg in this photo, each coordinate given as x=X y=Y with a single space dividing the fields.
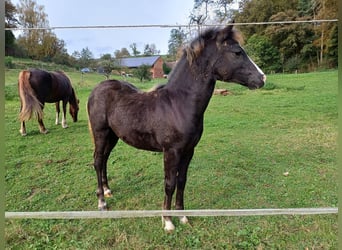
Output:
x=58 y=110
x=110 y=144
x=22 y=123
x=42 y=128
x=22 y=128
x=104 y=143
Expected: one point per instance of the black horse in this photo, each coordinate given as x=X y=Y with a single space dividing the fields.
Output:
x=37 y=87
x=168 y=119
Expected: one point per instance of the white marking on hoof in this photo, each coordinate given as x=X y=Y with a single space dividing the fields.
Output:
x=102 y=206
x=184 y=220
x=57 y=119
x=44 y=131
x=107 y=193
x=64 y=124
x=169 y=227
x=21 y=132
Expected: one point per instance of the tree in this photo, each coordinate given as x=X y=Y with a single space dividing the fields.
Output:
x=323 y=9
x=143 y=73
x=176 y=41
x=106 y=66
x=293 y=40
x=263 y=53
x=134 y=49
x=10 y=22
x=333 y=47
x=260 y=11
x=150 y=50
x=85 y=57
x=40 y=44
x=122 y=53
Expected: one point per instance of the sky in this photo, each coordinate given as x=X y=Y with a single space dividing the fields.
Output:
x=115 y=12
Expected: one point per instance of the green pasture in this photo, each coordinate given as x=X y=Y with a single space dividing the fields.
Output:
x=269 y=148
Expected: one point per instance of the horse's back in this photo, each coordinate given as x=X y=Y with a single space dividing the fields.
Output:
x=111 y=90
x=50 y=86
x=116 y=86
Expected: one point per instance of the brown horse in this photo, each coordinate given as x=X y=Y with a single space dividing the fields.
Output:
x=168 y=119
x=36 y=87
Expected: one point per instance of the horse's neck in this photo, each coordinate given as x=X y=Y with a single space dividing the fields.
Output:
x=194 y=86
x=72 y=98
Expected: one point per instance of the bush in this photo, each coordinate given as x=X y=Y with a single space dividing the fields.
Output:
x=292 y=64
x=9 y=62
x=143 y=73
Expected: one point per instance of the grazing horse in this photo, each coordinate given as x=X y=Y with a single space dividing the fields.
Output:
x=37 y=87
x=168 y=119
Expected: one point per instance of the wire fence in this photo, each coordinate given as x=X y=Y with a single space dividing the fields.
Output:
x=168 y=25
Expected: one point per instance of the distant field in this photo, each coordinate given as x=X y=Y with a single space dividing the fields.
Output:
x=250 y=139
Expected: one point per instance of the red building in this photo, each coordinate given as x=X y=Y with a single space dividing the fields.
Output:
x=155 y=62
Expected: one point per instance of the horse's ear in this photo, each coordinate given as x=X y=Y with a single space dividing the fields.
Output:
x=229 y=28
x=225 y=33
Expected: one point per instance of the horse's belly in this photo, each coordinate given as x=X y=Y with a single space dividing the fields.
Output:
x=141 y=140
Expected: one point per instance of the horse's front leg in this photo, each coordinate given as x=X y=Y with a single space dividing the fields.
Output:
x=64 y=124
x=181 y=181
x=58 y=110
x=171 y=159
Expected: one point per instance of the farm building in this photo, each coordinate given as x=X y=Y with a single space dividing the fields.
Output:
x=155 y=62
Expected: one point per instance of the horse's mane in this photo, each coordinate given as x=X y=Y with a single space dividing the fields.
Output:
x=196 y=46
x=194 y=49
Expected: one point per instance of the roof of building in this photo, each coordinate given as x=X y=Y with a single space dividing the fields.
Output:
x=134 y=62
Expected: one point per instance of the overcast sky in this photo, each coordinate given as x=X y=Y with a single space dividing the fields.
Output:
x=115 y=12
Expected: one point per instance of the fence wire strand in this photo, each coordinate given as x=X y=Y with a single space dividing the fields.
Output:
x=168 y=25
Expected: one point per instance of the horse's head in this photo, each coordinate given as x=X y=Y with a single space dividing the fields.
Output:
x=74 y=106
x=228 y=60
x=232 y=62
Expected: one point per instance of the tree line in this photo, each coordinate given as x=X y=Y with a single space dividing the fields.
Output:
x=279 y=47
x=275 y=48
x=44 y=45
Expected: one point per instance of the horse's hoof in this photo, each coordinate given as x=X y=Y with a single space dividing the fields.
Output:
x=103 y=208
x=22 y=132
x=183 y=220
x=169 y=227
x=108 y=194
x=44 y=131
x=65 y=126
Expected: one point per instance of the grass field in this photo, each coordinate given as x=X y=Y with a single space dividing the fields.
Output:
x=250 y=139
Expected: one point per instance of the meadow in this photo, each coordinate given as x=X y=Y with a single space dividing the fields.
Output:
x=270 y=148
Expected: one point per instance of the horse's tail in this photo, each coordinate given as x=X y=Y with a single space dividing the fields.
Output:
x=29 y=102
x=90 y=128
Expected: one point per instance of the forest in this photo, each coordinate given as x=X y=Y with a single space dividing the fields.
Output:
x=280 y=36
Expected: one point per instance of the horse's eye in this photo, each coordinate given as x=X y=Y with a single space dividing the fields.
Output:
x=238 y=53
